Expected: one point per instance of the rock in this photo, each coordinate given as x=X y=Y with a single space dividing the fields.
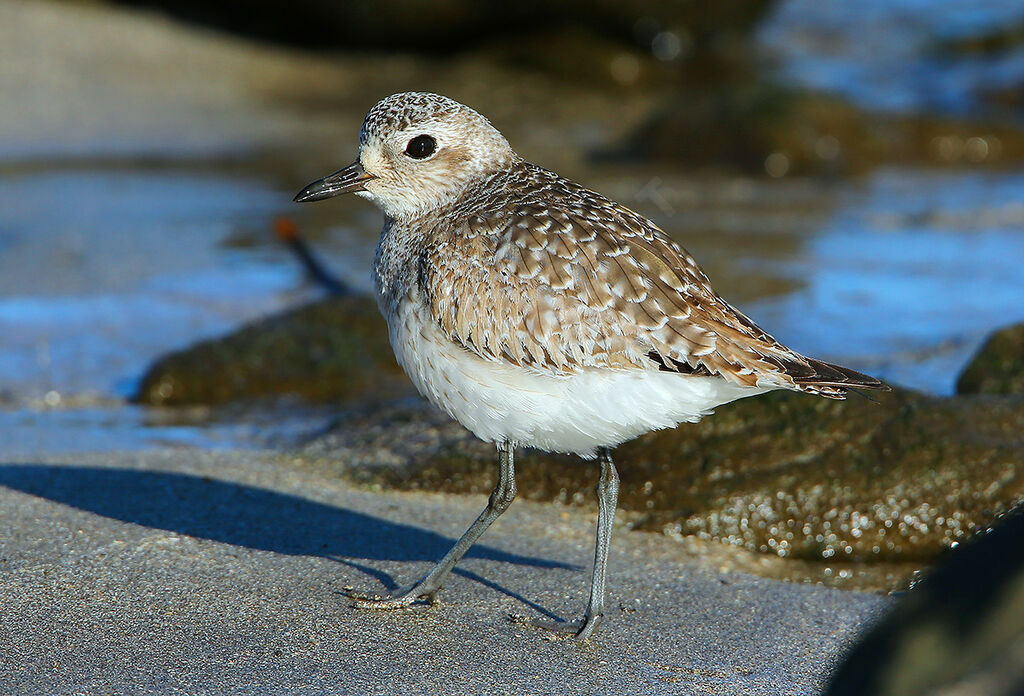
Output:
x=764 y=128
x=800 y=476
x=452 y=26
x=789 y=474
x=960 y=630
x=998 y=366
x=1000 y=39
x=335 y=350
x=615 y=44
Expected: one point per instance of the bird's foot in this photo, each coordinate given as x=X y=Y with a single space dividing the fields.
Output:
x=582 y=629
x=397 y=599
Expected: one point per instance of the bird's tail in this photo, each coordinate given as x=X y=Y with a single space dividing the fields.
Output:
x=833 y=381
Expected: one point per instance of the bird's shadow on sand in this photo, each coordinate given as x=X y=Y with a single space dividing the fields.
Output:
x=256 y=518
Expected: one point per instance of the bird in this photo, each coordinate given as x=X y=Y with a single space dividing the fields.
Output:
x=538 y=313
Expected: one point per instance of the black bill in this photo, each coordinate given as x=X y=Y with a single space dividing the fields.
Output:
x=348 y=180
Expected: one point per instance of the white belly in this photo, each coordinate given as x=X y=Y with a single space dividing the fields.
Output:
x=578 y=413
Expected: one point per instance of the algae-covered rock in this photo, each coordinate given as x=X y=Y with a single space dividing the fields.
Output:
x=334 y=350
x=798 y=476
x=1003 y=38
x=765 y=128
x=786 y=473
x=998 y=367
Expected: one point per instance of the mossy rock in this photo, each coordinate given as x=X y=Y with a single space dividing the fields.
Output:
x=332 y=351
x=998 y=367
x=1001 y=39
x=740 y=124
x=899 y=479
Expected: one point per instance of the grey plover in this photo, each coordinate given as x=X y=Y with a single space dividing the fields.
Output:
x=539 y=313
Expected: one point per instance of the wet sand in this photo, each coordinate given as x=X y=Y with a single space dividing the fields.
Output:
x=220 y=573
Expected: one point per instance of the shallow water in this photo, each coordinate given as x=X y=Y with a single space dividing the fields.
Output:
x=104 y=269
x=908 y=276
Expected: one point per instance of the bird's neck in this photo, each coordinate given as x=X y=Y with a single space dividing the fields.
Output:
x=408 y=234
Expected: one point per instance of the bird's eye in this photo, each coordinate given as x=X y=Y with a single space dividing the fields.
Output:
x=421 y=147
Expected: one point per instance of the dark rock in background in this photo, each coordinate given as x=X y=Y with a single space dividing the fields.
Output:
x=998 y=367
x=332 y=351
x=1002 y=40
x=763 y=128
x=959 y=631
x=453 y=26
x=715 y=104
x=786 y=474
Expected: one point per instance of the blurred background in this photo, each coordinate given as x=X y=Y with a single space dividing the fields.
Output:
x=850 y=174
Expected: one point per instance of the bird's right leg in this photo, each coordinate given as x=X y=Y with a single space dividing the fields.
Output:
x=607 y=498
x=427 y=587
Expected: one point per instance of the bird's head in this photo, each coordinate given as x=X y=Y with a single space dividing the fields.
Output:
x=417 y=152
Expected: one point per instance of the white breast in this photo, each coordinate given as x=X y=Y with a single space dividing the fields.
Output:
x=596 y=407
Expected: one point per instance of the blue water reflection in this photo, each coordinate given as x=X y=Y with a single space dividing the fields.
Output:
x=882 y=53
x=102 y=271
x=908 y=278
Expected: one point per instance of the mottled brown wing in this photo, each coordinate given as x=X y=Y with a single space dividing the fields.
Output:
x=593 y=284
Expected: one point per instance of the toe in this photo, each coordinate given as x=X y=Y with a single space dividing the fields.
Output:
x=398 y=599
x=582 y=630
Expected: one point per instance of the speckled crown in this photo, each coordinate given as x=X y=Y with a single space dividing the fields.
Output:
x=405 y=108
